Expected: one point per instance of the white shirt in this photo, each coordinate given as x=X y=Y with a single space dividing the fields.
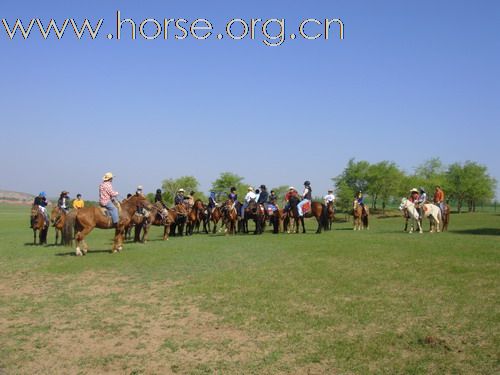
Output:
x=250 y=195
x=329 y=198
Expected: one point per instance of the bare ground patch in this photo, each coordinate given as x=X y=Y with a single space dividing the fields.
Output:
x=96 y=323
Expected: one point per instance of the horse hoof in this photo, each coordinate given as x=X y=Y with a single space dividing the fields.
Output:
x=120 y=248
x=78 y=252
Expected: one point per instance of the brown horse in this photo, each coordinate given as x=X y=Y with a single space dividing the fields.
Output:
x=180 y=217
x=158 y=216
x=38 y=223
x=88 y=218
x=215 y=216
x=445 y=216
x=255 y=212
x=360 y=216
x=195 y=217
x=330 y=211
x=275 y=219
x=318 y=210
x=229 y=216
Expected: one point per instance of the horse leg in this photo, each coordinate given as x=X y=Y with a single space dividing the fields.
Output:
x=318 y=231
x=80 y=241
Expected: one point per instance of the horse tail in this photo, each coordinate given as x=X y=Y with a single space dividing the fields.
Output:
x=68 y=228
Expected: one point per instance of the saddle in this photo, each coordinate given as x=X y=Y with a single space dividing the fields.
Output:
x=106 y=213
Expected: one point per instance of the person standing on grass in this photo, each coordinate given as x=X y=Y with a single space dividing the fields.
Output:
x=439 y=198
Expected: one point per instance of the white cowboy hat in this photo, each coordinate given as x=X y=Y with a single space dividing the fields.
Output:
x=413 y=190
x=181 y=190
x=139 y=187
x=108 y=176
x=250 y=188
x=291 y=188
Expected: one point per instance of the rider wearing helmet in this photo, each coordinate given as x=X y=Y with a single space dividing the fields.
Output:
x=41 y=202
x=306 y=197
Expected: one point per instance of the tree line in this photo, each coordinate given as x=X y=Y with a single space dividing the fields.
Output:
x=465 y=184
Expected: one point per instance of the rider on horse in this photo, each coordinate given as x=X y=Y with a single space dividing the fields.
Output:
x=139 y=191
x=41 y=202
x=263 y=197
x=291 y=192
x=248 y=198
x=233 y=196
x=189 y=200
x=179 y=197
x=306 y=197
x=439 y=198
x=159 y=198
x=107 y=195
x=212 y=203
x=361 y=200
x=63 y=201
x=415 y=198
x=329 y=198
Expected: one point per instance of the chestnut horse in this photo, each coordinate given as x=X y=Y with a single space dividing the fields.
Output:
x=195 y=217
x=318 y=210
x=38 y=223
x=88 y=218
x=360 y=216
x=255 y=212
x=215 y=216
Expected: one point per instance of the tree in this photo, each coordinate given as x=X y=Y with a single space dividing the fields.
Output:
x=171 y=186
x=344 y=196
x=429 y=174
x=469 y=184
x=225 y=182
x=355 y=175
x=384 y=181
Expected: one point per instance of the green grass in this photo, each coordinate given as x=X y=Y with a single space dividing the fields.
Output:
x=379 y=301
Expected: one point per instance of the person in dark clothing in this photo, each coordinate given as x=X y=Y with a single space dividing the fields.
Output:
x=264 y=195
x=212 y=203
x=232 y=195
x=63 y=201
x=41 y=202
x=273 y=198
x=159 y=198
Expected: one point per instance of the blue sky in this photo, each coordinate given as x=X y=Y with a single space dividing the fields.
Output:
x=410 y=81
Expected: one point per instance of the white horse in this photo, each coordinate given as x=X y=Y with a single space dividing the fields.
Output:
x=430 y=211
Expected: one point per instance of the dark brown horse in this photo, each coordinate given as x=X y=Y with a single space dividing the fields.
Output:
x=318 y=210
x=180 y=213
x=38 y=223
x=88 y=218
x=330 y=211
x=255 y=212
x=445 y=216
x=195 y=217
x=58 y=220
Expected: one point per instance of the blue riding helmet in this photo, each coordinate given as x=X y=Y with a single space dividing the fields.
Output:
x=42 y=194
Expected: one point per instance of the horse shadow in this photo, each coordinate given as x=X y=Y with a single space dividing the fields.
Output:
x=72 y=253
x=479 y=231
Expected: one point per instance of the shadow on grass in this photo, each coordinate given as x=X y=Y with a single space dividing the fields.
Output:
x=479 y=231
x=72 y=253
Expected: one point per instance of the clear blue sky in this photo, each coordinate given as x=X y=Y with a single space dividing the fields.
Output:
x=411 y=80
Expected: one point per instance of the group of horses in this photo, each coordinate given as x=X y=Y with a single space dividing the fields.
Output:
x=138 y=213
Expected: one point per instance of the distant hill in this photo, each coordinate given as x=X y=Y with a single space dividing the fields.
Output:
x=15 y=197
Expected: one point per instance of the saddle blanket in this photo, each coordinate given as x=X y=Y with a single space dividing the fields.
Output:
x=271 y=208
x=306 y=207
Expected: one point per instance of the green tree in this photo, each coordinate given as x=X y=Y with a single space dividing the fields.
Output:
x=428 y=175
x=384 y=182
x=171 y=186
x=222 y=185
x=355 y=175
x=344 y=196
x=469 y=184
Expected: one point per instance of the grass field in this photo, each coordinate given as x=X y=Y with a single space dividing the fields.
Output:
x=343 y=302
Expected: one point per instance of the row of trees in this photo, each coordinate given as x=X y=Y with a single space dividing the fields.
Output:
x=383 y=183
x=467 y=184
